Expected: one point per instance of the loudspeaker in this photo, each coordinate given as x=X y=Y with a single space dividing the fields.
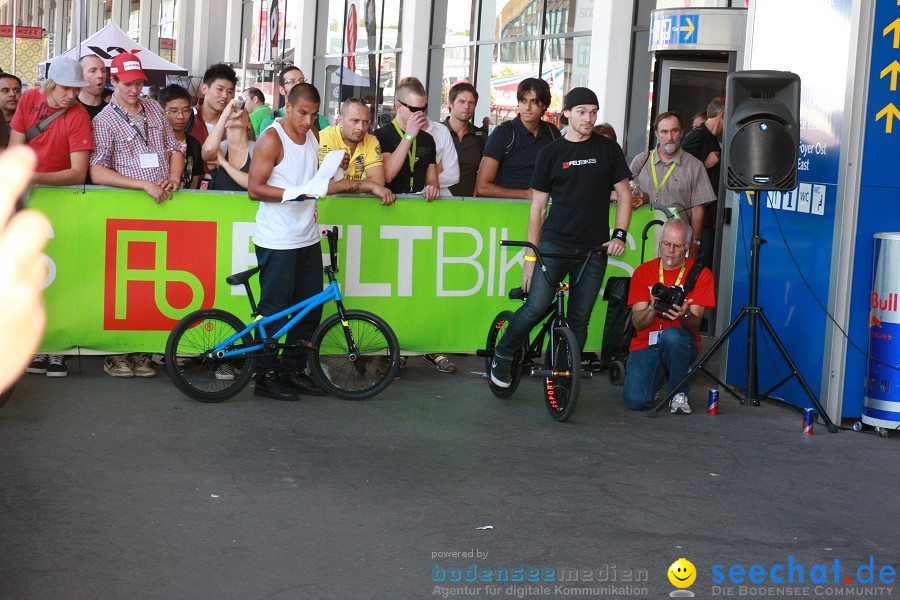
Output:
x=762 y=130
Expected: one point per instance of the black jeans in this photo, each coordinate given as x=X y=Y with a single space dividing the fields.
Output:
x=286 y=277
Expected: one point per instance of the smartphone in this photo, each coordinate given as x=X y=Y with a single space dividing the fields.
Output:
x=239 y=103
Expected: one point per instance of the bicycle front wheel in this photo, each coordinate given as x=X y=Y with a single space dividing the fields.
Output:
x=188 y=361
x=357 y=358
x=563 y=358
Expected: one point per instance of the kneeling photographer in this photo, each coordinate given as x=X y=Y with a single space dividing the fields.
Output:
x=668 y=296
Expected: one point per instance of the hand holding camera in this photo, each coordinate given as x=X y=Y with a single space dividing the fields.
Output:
x=670 y=302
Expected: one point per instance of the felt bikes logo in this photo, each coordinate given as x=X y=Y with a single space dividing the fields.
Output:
x=156 y=272
x=576 y=163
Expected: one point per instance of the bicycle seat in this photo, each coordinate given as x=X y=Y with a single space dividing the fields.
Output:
x=517 y=294
x=241 y=278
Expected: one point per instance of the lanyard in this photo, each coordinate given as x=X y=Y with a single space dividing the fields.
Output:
x=411 y=154
x=677 y=279
x=144 y=138
x=656 y=183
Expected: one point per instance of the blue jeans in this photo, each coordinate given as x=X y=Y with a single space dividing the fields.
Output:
x=285 y=278
x=646 y=369
x=541 y=296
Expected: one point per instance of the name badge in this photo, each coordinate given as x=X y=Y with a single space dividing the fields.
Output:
x=654 y=338
x=149 y=161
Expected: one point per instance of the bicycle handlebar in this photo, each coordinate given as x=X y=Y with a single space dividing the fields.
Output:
x=540 y=258
x=332 y=235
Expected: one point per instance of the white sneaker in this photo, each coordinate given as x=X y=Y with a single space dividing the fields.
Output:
x=117 y=365
x=224 y=372
x=142 y=365
x=680 y=405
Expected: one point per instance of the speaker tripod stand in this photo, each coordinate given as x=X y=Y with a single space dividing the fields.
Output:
x=752 y=312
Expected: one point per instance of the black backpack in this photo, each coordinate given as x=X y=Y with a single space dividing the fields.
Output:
x=511 y=135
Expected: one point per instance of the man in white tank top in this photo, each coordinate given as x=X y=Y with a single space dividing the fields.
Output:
x=287 y=239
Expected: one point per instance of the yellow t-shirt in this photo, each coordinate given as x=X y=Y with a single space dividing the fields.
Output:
x=366 y=156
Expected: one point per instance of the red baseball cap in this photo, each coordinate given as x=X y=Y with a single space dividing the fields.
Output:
x=127 y=67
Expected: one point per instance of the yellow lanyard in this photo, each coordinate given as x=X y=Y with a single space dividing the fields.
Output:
x=677 y=279
x=656 y=183
x=411 y=155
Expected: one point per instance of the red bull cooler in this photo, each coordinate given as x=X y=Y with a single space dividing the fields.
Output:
x=881 y=405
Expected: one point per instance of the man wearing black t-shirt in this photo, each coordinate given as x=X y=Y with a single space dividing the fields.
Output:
x=408 y=152
x=578 y=171
x=703 y=144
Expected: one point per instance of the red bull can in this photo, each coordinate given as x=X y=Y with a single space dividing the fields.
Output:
x=713 y=402
x=809 y=417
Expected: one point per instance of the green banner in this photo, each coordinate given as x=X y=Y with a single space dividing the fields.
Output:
x=123 y=270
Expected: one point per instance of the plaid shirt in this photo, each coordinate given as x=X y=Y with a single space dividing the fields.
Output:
x=120 y=140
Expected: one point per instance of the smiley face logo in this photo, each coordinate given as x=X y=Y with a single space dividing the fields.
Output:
x=682 y=573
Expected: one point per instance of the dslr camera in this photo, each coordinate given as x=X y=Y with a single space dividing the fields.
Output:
x=667 y=297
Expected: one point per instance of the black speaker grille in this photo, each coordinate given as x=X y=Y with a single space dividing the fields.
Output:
x=762 y=156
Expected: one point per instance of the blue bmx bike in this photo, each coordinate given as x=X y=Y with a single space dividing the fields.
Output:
x=354 y=354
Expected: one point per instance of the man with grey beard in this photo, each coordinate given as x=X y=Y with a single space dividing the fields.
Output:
x=666 y=338
x=673 y=178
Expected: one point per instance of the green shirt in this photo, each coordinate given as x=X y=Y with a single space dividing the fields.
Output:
x=257 y=116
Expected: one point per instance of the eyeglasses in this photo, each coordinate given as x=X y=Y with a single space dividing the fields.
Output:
x=671 y=246
x=413 y=109
x=175 y=112
x=293 y=82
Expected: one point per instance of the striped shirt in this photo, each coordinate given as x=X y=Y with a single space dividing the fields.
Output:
x=686 y=186
x=120 y=138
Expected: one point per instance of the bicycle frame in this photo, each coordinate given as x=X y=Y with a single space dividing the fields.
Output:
x=332 y=292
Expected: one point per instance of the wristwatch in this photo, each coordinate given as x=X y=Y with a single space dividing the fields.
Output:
x=695 y=242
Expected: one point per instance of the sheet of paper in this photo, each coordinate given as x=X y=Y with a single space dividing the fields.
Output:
x=318 y=185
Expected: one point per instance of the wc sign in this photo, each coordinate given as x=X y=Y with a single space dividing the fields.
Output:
x=156 y=271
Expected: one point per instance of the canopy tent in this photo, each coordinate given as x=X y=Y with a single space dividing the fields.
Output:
x=110 y=41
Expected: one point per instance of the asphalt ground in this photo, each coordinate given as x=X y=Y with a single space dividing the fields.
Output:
x=124 y=488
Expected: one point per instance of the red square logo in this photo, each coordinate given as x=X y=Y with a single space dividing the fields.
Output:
x=157 y=271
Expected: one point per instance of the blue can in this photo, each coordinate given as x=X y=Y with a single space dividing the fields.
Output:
x=809 y=417
x=713 y=402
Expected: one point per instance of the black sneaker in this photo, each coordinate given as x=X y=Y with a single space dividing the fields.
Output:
x=38 y=365
x=56 y=366
x=270 y=387
x=300 y=381
x=501 y=370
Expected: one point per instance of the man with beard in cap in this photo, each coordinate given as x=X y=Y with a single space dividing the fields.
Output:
x=578 y=170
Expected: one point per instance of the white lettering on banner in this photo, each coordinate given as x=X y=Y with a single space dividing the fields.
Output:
x=353 y=266
x=470 y=260
x=51 y=266
x=243 y=255
x=406 y=235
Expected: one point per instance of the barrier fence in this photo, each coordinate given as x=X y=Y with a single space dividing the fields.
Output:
x=123 y=270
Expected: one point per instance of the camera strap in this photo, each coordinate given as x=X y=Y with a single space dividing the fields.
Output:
x=677 y=279
x=692 y=276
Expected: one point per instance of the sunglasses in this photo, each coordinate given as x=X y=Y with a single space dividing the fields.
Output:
x=414 y=109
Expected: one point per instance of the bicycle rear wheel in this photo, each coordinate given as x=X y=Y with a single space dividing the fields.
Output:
x=354 y=375
x=498 y=328
x=561 y=388
x=189 y=363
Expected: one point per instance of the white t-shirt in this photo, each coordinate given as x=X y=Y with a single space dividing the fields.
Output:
x=446 y=156
x=290 y=225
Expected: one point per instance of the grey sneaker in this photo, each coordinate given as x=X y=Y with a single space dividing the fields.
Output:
x=142 y=365
x=680 y=405
x=501 y=370
x=117 y=365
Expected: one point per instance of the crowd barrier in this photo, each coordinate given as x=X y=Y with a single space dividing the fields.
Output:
x=123 y=270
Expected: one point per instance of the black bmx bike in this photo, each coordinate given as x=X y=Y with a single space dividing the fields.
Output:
x=561 y=365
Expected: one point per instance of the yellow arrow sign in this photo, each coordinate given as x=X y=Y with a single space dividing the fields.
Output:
x=889 y=112
x=690 y=28
x=893 y=69
x=750 y=197
x=895 y=26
